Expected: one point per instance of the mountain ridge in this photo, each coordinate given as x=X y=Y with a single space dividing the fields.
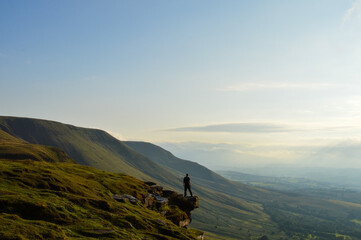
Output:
x=230 y=210
x=52 y=199
x=87 y=146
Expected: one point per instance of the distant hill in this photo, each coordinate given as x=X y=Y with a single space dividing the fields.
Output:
x=228 y=210
x=275 y=183
x=54 y=199
x=200 y=174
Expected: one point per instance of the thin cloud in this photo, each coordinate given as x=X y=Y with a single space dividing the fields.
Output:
x=353 y=12
x=277 y=86
x=236 y=128
x=262 y=128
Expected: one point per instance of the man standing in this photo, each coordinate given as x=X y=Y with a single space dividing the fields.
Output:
x=187 y=185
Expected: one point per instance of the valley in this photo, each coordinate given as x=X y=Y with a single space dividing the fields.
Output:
x=228 y=209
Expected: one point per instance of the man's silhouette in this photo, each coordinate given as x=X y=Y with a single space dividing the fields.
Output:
x=187 y=185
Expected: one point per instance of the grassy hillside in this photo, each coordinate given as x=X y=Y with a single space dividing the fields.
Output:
x=228 y=209
x=89 y=147
x=61 y=200
x=14 y=148
x=229 y=215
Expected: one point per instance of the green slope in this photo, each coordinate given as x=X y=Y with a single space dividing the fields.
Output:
x=230 y=209
x=62 y=200
x=98 y=149
x=14 y=148
x=91 y=147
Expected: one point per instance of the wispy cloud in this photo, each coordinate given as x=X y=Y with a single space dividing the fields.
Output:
x=266 y=128
x=353 y=12
x=236 y=128
x=276 y=86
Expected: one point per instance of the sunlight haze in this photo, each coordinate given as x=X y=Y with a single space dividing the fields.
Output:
x=231 y=83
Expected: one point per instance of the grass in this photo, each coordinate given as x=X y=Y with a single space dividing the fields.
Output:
x=356 y=221
x=228 y=209
x=91 y=147
x=41 y=200
x=64 y=200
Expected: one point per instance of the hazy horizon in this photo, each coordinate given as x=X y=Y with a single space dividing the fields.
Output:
x=244 y=83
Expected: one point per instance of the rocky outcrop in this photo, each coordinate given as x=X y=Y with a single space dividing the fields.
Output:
x=125 y=198
x=171 y=204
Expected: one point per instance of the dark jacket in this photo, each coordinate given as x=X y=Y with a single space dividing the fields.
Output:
x=187 y=181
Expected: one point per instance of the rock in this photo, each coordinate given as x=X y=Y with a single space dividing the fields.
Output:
x=125 y=198
x=263 y=238
x=201 y=236
x=169 y=194
x=157 y=190
x=150 y=183
x=149 y=201
x=192 y=202
x=179 y=210
x=157 y=201
x=161 y=201
x=186 y=204
x=184 y=223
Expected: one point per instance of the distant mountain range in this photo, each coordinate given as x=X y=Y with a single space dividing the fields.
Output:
x=228 y=210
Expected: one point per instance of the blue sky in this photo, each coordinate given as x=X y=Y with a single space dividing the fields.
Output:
x=272 y=77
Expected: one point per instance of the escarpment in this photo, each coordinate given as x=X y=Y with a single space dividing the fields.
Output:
x=168 y=203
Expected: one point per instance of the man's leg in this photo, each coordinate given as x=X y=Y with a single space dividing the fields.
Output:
x=185 y=190
x=190 y=191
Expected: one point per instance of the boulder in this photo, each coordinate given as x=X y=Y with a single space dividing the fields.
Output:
x=201 y=236
x=157 y=190
x=191 y=202
x=125 y=198
x=161 y=201
x=149 y=201
x=150 y=183
x=181 y=209
x=169 y=193
x=186 y=204
x=184 y=223
x=170 y=204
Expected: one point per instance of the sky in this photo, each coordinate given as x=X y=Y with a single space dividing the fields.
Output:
x=223 y=83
